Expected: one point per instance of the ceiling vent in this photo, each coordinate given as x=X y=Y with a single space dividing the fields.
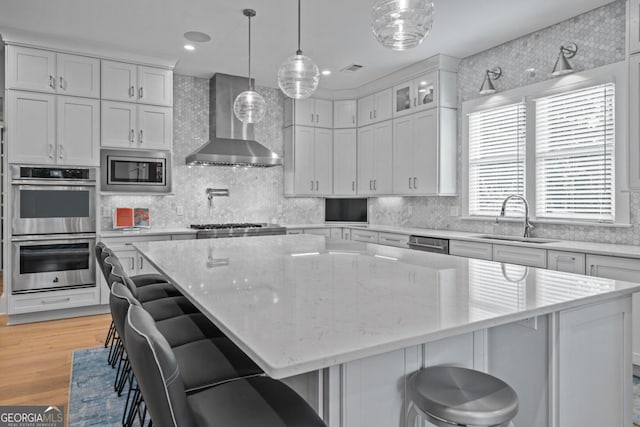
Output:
x=352 y=68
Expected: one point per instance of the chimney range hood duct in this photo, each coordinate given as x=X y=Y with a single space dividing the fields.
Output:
x=231 y=142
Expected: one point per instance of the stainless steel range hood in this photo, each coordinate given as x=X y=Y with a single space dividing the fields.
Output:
x=231 y=142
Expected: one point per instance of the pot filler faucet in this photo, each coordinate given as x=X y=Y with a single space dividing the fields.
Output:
x=216 y=192
x=527 y=225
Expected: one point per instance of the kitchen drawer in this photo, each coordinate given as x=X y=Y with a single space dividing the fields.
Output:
x=392 y=239
x=326 y=232
x=471 y=249
x=364 y=236
x=54 y=300
x=295 y=231
x=346 y=234
x=532 y=257
x=569 y=262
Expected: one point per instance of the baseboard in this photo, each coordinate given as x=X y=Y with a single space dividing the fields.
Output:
x=42 y=316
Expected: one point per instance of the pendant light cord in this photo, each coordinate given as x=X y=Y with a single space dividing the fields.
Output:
x=299 y=51
x=250 y=85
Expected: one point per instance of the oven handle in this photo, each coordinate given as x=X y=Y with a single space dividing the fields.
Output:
x=65 y=182
x=43 y=237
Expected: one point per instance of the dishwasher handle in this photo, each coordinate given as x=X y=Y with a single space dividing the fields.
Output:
x=428 y=244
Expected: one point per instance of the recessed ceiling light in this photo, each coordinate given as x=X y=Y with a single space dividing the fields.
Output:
x=189 y=47
x=197 y=36
x=326 y=72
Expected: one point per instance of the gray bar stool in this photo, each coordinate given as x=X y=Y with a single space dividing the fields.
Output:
x=452 y=396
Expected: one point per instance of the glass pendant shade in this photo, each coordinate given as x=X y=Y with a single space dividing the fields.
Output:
x=250 y=107
x=401 y=24
x=298 y=76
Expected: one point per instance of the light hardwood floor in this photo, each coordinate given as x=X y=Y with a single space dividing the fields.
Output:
x=35 y=358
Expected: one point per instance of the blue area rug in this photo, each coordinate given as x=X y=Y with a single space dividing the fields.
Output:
x=92 y=401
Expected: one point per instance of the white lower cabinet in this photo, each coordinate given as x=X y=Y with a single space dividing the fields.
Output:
x=393 y=239
x=471 y=249
x=54 y=300
x=364 y=236
x=326 y=232
x=569 y=262
x=531 y=257
x=627 y=269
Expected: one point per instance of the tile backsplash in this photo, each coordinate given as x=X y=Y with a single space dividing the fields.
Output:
x=255 y=193
x=600 y=36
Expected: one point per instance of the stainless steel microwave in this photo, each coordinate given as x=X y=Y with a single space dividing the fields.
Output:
x=135 y=171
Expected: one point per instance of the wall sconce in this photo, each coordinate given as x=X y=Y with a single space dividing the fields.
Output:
x=487 y=87
x=562 y=65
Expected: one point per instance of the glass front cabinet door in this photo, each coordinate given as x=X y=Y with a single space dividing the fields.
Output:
x=415 y=95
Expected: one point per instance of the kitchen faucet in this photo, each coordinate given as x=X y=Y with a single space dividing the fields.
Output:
x=216 y=192
x=527 y=225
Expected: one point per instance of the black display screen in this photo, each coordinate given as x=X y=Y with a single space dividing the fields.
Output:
x=345 y=210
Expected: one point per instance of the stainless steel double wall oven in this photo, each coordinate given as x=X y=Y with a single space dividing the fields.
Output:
x=53 y=228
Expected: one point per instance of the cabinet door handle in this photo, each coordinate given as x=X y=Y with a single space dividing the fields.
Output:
x=409 y=183
x=133 y=135
x=415 y=102
x=141 y=263
x=353 y=119
x=52 y=82
x=370 y=115
x=370 y=184
x=51 y=151
x=591 y=269
x=61 y=84
x=133 y=265
x=311 y=185
x=140 y=93
x=317 y=186
x=415 y=183
x=374 y=185
x=132 y=92
x=353 y=186
x=375 y=113
x=141 y=135
x=311 y=117
x=317 y=118
x=60 y=151
x=56 y=301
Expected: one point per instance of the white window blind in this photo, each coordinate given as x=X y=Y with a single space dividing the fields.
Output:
x=575 y=154
x=496 y=158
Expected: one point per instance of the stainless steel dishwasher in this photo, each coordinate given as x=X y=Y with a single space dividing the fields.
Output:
x=429 y=244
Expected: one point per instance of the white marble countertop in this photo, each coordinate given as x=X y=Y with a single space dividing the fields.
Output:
x=607 y=249
x=147 y=232
x=299 y=303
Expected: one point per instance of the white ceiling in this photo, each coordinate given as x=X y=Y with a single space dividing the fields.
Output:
x=335 y=33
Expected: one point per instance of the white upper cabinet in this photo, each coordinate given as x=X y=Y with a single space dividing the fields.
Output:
x=308 y=161
x=122 y=81
x=634 y=26
x=78 y=131
x=127 y=125
x=634 y=121
x=119 y=81
x=31 y=69
x=155 y=86
x=32 y=120
x=344 y=114
x=309 y=112
x=46 y=129
x=155 y=126
x=375 y=153
x=345 y=162
x=424 y=153
x=51 y=72
x=375 y=108
x=434 y=89
x=78 y=75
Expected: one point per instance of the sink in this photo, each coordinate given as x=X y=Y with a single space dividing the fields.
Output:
x=515 y=238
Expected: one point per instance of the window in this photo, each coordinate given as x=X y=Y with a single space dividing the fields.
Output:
x=496 y=157
x=553 y=142
x=575 y=139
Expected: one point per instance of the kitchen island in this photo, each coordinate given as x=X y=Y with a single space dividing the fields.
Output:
x=345 y=322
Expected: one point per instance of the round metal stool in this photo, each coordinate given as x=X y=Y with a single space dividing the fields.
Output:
x=450 y=396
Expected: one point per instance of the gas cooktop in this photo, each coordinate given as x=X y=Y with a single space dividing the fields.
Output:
x=241 y=229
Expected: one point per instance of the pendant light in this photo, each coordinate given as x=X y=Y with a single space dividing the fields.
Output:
x=298 y=76
x=401 y=24
x=250 y=106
